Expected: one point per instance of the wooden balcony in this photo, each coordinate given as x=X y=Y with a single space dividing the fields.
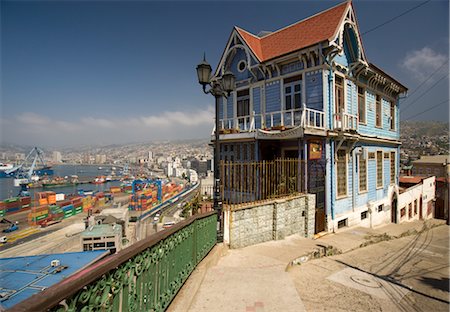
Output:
x=306 y=118
x=345 y=122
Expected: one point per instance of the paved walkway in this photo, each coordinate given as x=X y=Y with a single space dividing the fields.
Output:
x=255 y=278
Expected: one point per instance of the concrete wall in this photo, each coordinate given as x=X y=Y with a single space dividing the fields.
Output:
x=411 y=199
x=272 y=220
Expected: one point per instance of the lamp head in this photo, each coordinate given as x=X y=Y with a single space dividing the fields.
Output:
x=204 y=72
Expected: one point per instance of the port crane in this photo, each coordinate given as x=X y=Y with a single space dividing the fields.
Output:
x=24 y=175
x=144 y=183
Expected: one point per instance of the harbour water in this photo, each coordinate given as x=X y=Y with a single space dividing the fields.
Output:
x=7 y=188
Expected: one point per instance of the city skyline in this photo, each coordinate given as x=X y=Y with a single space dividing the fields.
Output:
x=80 y=73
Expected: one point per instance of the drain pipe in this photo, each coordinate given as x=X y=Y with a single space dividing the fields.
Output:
x=330 y=120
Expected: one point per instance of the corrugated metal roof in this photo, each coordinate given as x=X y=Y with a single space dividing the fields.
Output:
x=22 y=277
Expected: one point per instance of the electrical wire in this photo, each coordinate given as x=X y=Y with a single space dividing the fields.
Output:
x=429 y=77
x=428 y=90
x=395 y=17
x=433 y=107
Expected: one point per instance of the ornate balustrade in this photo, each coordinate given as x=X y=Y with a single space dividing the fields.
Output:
x=305 y=117
x=143 y=277
x=345 y=122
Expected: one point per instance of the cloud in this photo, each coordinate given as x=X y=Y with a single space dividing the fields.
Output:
x=421 y=63
x=37 y=129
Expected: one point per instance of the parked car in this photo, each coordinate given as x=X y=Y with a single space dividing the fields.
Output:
x=168 y=224
x=3 y=239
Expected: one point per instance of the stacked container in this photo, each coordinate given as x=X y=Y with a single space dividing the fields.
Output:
x=51 y=198
x=87 y=203
x=12 y=205
x=77 y=205
x=55 y=212
x=26 y=202
x=38 y=215
x=115 y=189
x=127 y=189
x=67 y=208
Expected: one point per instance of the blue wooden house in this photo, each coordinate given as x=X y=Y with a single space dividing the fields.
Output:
x=307 y=91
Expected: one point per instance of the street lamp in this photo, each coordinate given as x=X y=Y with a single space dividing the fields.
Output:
x=218 y=87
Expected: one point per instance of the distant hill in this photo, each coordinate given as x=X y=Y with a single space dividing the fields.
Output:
x=423 y=128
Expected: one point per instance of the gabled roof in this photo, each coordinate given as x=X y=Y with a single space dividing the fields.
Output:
x=317 y=28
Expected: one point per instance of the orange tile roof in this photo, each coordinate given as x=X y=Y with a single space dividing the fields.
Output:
x=315 y=29
x=411 y=179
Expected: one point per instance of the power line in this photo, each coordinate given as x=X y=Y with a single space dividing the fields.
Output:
x=428 y=90
x=433 y=107
x=395 y=17
x=429 y=77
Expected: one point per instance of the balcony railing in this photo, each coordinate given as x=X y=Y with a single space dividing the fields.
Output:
x=143 y=277
x=345 y=122
x=305 y=117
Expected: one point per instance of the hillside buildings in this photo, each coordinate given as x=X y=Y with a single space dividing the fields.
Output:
x=308 y=92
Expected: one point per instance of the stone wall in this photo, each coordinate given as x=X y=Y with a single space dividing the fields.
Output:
x=273 y=220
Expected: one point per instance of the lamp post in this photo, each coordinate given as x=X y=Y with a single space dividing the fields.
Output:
x=218 y=87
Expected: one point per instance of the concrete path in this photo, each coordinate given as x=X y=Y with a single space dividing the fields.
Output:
x=256 y=278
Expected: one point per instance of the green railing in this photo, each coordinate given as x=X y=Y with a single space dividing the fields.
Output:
x=143 y=277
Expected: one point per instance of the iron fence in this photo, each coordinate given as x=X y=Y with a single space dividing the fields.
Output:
x=250 y=182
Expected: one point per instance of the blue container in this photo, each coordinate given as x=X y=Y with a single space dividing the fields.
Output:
x=68 y=207
x=12 y=209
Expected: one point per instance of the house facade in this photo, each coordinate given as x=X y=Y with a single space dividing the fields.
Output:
x=308 y=92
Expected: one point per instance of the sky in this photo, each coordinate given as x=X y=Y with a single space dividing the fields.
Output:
x=101 y=72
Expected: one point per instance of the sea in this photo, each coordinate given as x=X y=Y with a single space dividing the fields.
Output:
x=7 y=188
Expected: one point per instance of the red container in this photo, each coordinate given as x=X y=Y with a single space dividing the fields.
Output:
x=26 y=200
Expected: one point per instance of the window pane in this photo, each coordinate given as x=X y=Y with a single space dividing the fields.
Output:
x=362 y=173
x=379 y=168
x=297 y=88
x=378 y=111
x=288 y=102
x=297 y=100
x=392 y=167
x=361 y=105
x=392 y=116
x=341 y=173
x=288 y=90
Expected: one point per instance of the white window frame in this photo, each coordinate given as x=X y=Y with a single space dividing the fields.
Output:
x=382 y=169
x=346 y=175
x=344 y=88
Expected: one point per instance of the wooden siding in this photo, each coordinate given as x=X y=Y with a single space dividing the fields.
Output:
x=273 y=100
x=314 y=90
x=369 y=128
x=345 y=205
x=256 y=96
x=239 y=56
x=291 y=67
x=230 y=104
x=351 y=97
